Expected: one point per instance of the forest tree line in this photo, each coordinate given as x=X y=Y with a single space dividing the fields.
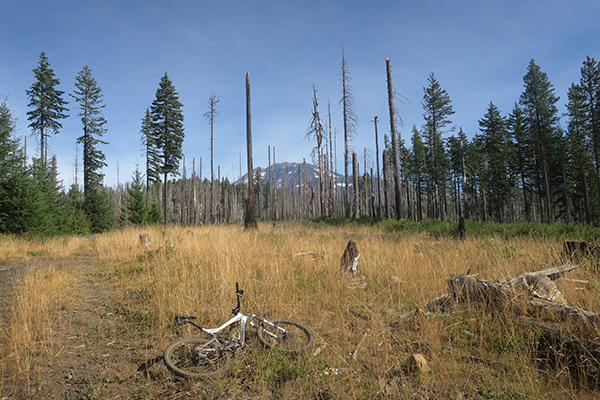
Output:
x=520 y=166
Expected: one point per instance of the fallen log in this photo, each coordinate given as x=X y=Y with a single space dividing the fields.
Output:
x=536 y=289
x=557 y=348
x=563 y=311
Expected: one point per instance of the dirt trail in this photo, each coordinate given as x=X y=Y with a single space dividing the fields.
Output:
x=92 y=357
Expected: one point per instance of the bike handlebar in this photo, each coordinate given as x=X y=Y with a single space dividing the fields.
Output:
x=181 y=320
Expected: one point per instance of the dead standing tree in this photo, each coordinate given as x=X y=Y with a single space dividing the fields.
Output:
x=393 y=133
x=350 y=122
x=316 y=129
x=250 y=221
x=380 y=212
x=356 y=202
x=210 y=116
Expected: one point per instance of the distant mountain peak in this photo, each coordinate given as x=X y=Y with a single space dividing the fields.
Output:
x=286 y=173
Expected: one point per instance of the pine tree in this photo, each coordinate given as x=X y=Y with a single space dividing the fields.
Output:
x=495 y=145
x=138 y=207
x=539 y=107
x=579 y=154
x=99 y=208
x=10 y=158
x=437 y=109
x=456 y=153
x=416 y=164
x=151 y=152
x=47 y=105
x=11 y=166
x=167 y=131
x=590 y=93
x=75 y=220
x=89 y=96
x=521 y=158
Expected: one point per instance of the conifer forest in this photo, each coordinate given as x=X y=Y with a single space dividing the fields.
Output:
x=527 y=164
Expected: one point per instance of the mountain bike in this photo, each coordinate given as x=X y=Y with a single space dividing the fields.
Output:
x=207 y=358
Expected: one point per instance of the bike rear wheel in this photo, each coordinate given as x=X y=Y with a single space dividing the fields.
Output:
x=196 y=358
x=297 y=338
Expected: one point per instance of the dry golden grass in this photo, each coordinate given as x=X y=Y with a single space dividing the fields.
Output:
x=20 y=249
x=294 y=273
x=27 y=341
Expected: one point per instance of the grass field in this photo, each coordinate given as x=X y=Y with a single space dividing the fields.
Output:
x=363 y=336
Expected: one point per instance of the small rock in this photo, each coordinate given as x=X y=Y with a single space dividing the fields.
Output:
x=417 y=363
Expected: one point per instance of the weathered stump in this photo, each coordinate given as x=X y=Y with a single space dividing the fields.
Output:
x=144 y=240
x=349 y=261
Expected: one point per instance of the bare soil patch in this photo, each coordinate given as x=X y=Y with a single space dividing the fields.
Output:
x=92 y=357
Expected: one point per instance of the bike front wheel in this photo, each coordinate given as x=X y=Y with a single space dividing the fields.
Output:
x=196 y=358
x=287 y=336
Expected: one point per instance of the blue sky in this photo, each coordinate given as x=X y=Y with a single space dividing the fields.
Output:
x=478 y=50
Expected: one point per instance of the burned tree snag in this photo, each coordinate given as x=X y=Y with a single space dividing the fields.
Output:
x=250 y=221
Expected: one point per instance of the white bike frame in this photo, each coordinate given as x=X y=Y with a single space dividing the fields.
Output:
x=238 y=317
x=243 y=320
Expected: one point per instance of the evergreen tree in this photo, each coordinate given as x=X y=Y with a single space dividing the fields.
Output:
x=47 y=105
x=539 y=107
x=437 y=108
x=417 y=169
x=137 y=204
x=100 y=210
x=582 y=168
x=75 y=220
x=37 y=208
x=456 y=154
x=11 y=165
x=151 y=152
x=167 y=131
x=590 y=102
x=521 y=159
x=139 y=209
x=88 y=94
x=495 y=146
x=9 y=146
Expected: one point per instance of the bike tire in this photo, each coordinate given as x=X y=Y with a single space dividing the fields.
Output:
x=196 y=358
x=299 y=337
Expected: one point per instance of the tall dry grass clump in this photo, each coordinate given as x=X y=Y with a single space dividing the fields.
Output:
x=20 y=249
x=26 y=343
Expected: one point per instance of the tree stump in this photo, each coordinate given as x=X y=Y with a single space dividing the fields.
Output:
x=349 y=261
x=144 y=240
